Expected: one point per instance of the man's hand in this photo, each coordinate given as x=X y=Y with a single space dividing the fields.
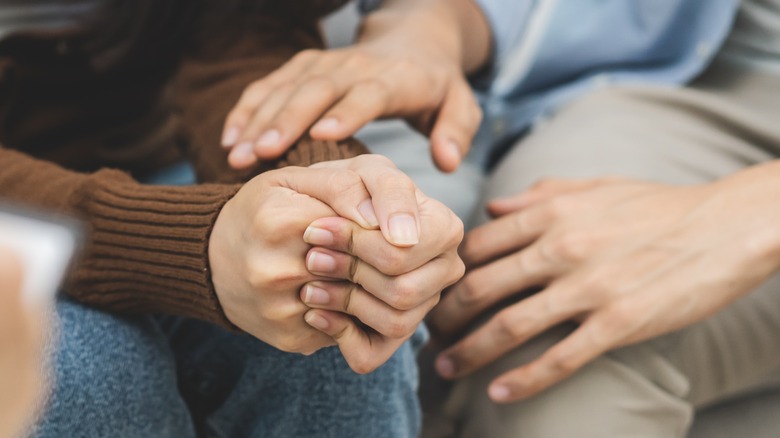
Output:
x=389 y=289
x=409 y=63
x=21 y=350
x=627 y=260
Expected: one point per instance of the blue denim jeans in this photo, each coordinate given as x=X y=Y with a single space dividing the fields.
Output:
x=144 y=376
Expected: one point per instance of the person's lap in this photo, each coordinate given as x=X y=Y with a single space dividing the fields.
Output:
x=652 y=389
x=146 y=376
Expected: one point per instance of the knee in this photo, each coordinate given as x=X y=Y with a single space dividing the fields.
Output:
x=609 y=397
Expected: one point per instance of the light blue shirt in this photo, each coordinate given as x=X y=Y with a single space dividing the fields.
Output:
x=546 y=52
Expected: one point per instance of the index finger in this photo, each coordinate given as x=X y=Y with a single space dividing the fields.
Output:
x=508 y=329
x=256 y=92
x=555 y=365
x=505 y=234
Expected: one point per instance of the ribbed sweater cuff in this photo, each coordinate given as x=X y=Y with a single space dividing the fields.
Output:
x=148 y=250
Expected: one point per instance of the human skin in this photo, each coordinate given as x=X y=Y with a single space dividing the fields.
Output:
x=410 y=60
x=627 y=260
x=381 y=246
x=21 y=347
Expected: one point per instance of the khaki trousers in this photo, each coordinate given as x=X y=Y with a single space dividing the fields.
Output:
x=728 y=120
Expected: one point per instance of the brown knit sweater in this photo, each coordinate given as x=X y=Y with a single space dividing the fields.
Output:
x=64 y=122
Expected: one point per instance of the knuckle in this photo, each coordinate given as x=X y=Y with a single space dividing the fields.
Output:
x=408 y=289
x=345 y=183
x=598 y=282
x=404 y=299
x=363 y=364
x=253 y=88
x=392 y=261
x=620 y=316
x=571 y=246
x=563 y=363
x=470 y=291
x=406 y=67
x=458 y=270
x=375 y=86
x=399 y=328
x=560 y=207
x=509 y=328
x=307 y=55
x=357 y=59
x=324 y=86
x=375 y=160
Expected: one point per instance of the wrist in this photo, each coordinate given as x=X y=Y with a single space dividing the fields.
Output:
x=455 y=31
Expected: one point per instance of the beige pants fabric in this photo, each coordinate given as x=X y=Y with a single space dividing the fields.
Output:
x=728 y=120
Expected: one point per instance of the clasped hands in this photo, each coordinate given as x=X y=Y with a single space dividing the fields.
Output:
x=346 y=253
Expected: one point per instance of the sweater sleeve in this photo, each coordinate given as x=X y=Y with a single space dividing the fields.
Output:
x=148 y=245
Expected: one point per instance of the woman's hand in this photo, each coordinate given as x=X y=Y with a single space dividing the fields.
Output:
x=627 y=260
x=409 y=63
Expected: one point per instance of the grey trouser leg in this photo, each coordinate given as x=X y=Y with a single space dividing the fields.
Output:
x=726 y=122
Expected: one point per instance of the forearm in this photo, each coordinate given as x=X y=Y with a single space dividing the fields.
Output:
x=455 y=29
x=147 y=246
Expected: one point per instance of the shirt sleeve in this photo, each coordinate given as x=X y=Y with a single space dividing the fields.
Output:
x=508 y=21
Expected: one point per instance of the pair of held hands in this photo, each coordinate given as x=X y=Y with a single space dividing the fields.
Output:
x=300 y=253
x=627 y=260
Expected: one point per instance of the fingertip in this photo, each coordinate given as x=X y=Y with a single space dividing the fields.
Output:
x=445 y=367
x=230 y=136
x=270 y=144
x=318 y=321
x=242 y=156
x=499 y=393
x=326 y=127
x=447 y=155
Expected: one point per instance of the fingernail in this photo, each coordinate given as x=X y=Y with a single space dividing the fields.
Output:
x=316 y=321
x=315 y=295
x=327 y=124
x=243 y=152
x=498 y=392
x=403 y=230
x=319 y=262
x=270 y=139
x=230 y=137
x=366 y=209
x=454 y=149
x=318 y=236
x=445 y=366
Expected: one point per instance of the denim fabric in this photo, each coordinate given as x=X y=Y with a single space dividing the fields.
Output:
x=143 y=376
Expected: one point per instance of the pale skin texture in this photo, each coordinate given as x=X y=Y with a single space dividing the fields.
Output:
x=628 y=260
x=410 y=61
x=274 y=284
x=21 y=351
